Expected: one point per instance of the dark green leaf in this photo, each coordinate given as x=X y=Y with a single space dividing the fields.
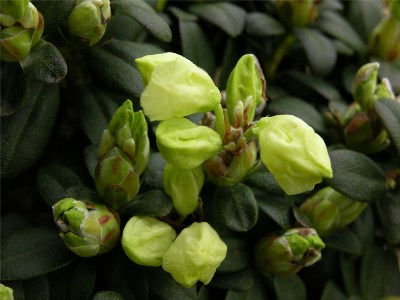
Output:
x=144 y=14
x=12 y=223
x=54 y=13
x=33 y=252
x=196 y=46
x=388 y=112
x=163 y=285
x=108 y=295
x=290 y=288
x=13 y=89
x=238 y=281
x=37 y=288
x=264 y=180
x=45 y=63
x=95 y=110
x=153 y=175
x=364 y=226
x=379 y=273
x=299 y=108
x=389 y=214
x=345 y=241
x=255 y=293
x=237 y=207
x=331 y=291
x=24 y=134
x=277 y=208
x=150 y=203
x=135 y=33
x=90 y=155
x=83 y=279
x=230 y=58
x=129 y=51
x=182 y=15
x=238 y=256
x=53 y=181
x=317 y=84
x=391 y=71
x=84 y=194
x=342 y=48
x=300 y=217
x=227 y=16
x=320 y=52
x=356 y=176
x=116 y=71
x=349 y=273
x=336 y=25
x=261 y=24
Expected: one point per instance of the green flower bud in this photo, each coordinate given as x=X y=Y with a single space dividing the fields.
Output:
x=6 y=293
x=195 y=255
x=87 y=22
x=87 y=229
x=175 y=87
x=384 y=41
x=227 y=170
x=12 y=10
x=17 y=41
x=364 y=85
x=329 y=210
x=296 y=12
x=291 y=150
x=184 y=186
x=384 y=90
x=145 y=240
x=245 y=82
x=394 y=7
x=287 y=253
x=185 y=145
x=123 y=156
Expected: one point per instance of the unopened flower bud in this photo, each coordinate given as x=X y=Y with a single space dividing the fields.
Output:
x=12 y=10
x=145 y=240
x=329 y=210
x=227 y=170
x=17 y=40
x=384 y=41
x=287 y=253
x=184 y=186
x=245 y=83
x=87 y=22
x=87 y=229
x=297 y=12
x=364 y=85
x=6 y=293
x=394 y=8
x=296 y=156
x=195 y=255
x=123 y=156
x=175 y=87
x=185 y=145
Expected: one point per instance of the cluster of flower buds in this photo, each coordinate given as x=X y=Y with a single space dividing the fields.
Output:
x=361 y=129
x=123 y=156
x=286 y=253
x=87 y=22
x=297 y=12
x=384 y=41
x=328 y=210
x=87 y=229
x=21 y=28
x=191 y=256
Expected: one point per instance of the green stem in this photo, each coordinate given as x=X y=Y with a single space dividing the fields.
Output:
x=279 y=54
x=219 y=121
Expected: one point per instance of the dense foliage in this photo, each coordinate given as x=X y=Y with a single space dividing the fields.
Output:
x=68 y=133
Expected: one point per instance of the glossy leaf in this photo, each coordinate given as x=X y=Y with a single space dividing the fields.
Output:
x=261 y=24
x=227 y=16
x=144 y=14
x=356 y=176
x=237 y=207
x=299 y=108
x=24 y=134
x=45 y=63
x=389 y=113
x=337 y=26
x=196 y=46
x=238 y=256
x=116 y=71
x=53 y=181
x=150 y=203
x=345 y=241
x=291 y=287
x=31 y=253
x=320 y=52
